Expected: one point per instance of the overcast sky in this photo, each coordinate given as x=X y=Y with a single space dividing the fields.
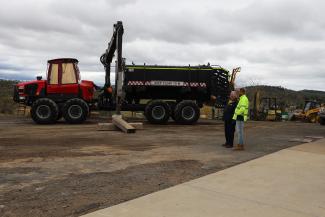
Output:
x=276 y=42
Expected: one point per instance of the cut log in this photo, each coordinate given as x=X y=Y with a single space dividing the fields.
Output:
x=112 y=127
x=122 y=124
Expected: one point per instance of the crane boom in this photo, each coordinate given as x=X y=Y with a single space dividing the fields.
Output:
x=115 y=45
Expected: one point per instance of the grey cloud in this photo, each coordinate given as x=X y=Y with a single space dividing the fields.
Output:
x=5 y=66
x=274 y=41
x=15 y=76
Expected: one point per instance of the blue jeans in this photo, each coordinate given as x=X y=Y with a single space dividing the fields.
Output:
x=240 y=132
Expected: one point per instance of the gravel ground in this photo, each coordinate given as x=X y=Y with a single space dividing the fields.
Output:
x=70 y=170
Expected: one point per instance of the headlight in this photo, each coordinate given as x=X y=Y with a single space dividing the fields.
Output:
x=21 y=89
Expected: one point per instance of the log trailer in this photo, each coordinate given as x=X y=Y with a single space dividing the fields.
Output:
x=161 y=92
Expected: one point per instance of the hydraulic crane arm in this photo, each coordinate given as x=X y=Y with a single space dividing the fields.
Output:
x=115 y=44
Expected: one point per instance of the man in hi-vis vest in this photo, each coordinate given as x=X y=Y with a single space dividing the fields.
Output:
x=241 y=113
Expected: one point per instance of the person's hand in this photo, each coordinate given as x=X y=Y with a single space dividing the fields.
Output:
x=213 y=98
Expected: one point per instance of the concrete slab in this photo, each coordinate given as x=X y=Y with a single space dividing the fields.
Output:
x=185 y=201
x=289 y=179
x=287 y=183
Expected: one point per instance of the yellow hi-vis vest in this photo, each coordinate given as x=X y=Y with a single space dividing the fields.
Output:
x=242 y=108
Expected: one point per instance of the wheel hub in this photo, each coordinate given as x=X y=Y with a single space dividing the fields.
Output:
x=43 y=111
x=158 y=112
x=75 y=111
x=188 y=112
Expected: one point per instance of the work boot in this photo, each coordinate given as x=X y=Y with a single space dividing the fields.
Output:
x=239 y=147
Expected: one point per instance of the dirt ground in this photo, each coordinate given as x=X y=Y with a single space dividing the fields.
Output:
x=70 y=170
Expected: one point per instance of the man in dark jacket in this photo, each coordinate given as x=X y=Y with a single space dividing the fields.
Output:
x=230 y=124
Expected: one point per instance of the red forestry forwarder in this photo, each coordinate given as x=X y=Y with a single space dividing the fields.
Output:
x=175 y=92
x=61 y=94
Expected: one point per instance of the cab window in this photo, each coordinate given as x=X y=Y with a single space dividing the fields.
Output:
x=54 y=74
x=68 y=74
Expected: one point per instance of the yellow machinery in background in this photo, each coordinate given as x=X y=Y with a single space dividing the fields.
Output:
x=309 y=113
x=265 y=109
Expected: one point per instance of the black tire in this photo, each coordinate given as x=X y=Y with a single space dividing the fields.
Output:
x=75 y=111
x=322 y=121
x=157 y=112
x=187 y=112
x=44 y=111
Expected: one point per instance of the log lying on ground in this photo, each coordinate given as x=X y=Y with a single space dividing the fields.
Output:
x=118 y=121
x=119 y=124
x=112 y=127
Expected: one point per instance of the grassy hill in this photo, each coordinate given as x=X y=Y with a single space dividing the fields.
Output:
x=286 y=97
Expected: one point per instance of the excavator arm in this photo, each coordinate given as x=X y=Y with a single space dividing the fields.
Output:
x=115 y=44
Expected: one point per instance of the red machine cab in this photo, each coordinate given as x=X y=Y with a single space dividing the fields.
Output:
x=61 y=94
x=63 y=80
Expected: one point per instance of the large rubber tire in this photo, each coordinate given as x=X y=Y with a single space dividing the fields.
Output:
x=186 y=112
x=44 y=111
x=157 y=112
x=75 y=111
x=322 y=121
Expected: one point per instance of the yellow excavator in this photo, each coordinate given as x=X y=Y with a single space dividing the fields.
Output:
x=309 y=113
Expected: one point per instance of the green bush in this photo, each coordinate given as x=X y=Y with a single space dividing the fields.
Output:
x=7 y=105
